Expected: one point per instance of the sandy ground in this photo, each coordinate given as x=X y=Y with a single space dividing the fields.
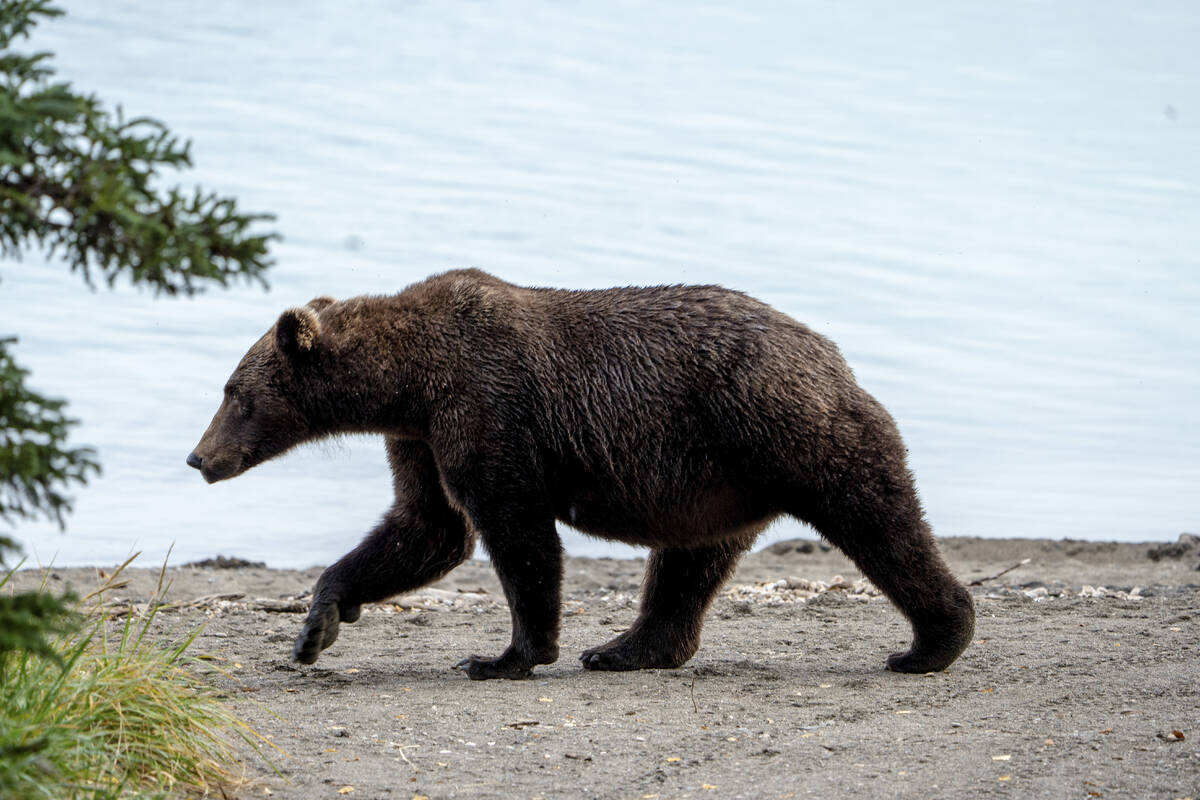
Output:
x=1083 y=682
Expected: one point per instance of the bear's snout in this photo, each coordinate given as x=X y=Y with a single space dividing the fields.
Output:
x=216 y=466
x=196 y=461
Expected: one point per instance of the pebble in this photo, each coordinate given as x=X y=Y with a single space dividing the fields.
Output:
x=799 y=590
x=1042 y=593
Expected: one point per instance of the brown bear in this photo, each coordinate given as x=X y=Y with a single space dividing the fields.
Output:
x=681 y=418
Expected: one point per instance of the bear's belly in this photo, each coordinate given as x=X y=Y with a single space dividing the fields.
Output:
x=716 y=516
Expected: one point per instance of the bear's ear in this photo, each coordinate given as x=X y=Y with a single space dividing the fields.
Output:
x=319 y=303
x=296 y=331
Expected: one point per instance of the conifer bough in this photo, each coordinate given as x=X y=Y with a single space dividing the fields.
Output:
x=79 y=182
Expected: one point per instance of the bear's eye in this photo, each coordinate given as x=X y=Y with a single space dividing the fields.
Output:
x=245 y=406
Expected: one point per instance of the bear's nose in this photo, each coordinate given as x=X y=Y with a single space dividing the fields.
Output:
x=194 y=461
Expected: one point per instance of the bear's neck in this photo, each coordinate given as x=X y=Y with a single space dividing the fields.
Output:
x=376 y=387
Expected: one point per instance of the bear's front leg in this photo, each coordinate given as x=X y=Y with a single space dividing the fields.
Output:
x=419 y=540
x=528 y=560
x=399 y=555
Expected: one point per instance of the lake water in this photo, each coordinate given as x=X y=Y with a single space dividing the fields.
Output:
x=994 y=210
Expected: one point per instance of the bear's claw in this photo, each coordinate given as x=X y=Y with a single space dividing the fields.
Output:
x=629 y=652
x=606 y=661
x=479 y=668
x=321 y=629
x=619 y=660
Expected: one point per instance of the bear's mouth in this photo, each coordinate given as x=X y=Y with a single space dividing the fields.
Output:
x=220 y=472
x=215 y=470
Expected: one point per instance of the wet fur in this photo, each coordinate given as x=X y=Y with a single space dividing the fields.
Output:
x=682 y=418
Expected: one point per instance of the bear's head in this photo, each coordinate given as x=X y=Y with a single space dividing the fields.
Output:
x=269 y=400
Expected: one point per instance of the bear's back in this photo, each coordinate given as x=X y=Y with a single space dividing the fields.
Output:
x=612 y=372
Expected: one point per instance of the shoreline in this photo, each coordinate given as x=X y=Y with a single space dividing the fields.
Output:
x=1074 y=685
x=1012 y=562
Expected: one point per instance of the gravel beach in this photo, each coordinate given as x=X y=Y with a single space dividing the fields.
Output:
x=1083 y=681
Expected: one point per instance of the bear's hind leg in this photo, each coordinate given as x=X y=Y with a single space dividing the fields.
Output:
x=419 y=540
x=878 y=522
x=678 y=588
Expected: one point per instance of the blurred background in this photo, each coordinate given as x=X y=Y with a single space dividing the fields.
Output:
x=994 y=210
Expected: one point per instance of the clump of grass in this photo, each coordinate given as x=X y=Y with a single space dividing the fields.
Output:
x=117 y=712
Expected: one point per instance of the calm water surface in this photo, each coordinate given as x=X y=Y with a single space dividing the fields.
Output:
x=995 y=212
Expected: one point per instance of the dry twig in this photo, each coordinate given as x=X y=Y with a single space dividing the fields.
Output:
x=981 y=581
